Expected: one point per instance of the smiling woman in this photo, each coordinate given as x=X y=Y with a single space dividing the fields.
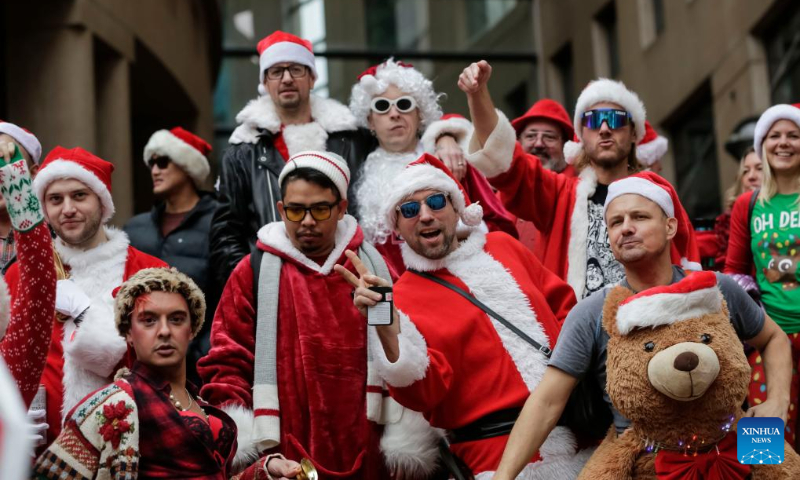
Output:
x=765 y=242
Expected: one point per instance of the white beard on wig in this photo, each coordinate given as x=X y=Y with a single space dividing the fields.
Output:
x=377 y=175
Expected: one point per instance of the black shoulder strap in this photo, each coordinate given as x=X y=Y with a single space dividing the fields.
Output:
x=545 y=351
x=752 y=206
x=255 y=264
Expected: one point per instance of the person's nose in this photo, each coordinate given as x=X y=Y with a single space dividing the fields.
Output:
x=538 y=141
x=163 y=328
x=69 y=207
x=308 y=220
x=425 y=213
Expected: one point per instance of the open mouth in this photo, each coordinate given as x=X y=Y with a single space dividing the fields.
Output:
x=430 y=234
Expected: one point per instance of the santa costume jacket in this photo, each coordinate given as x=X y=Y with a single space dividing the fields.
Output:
x=457 y=365
x=322 y=368
x=248 y=182
x=81 y=360
x=558 y=205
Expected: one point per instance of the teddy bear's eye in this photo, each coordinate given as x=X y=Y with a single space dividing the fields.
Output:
x=705 y=338
x=649 y=346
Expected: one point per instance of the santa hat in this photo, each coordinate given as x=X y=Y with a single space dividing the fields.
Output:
x=657 y=189
x=377 y=78
x=5 y=307
x=184 y=149
x=611 y=91
x=429 y=173
x=546 y=109
x=652 y=147
x=693 y=297
x=281 y=47
x=159 y=279
x=81 y=165
x=24 y=137
x=328 y=163
x=768 y=119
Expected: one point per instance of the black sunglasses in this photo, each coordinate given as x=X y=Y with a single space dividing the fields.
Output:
x=162 y=162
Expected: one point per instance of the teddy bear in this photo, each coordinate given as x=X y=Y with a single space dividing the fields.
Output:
x=677 y=370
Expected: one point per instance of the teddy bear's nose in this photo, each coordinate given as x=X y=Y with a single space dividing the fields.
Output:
x=686 y=362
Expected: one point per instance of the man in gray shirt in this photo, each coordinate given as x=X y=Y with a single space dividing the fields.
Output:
x=639 y=212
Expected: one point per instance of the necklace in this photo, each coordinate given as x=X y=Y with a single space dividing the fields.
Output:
x=177 y=402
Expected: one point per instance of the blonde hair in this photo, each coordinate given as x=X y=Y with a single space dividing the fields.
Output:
x=735 y=190
x=769 y=186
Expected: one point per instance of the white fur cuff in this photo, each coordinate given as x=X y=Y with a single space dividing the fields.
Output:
x=411 y=445
x=459 y=128
x=413 y=361
x=496 y=155
x=246 y=451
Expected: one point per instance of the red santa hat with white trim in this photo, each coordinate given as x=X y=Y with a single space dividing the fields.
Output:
x=768 y=119
x=693 y=297
x=279 y=47
x=78 y=164
x=599 y=91
x=184 y=149
x=684 y=249
x=24 y=137
x=652 y=147
x=429 y=173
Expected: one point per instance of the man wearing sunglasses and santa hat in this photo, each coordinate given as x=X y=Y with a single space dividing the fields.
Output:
x=466 y=359
x=609 y=123
x=303 y=385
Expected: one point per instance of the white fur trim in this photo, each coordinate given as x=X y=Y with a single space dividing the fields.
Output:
x=274 y=235
x=304 y=138
x=285 y=52
x=420 y=177
x=27 y=140
x=473 y=215
x=411 y=445
x=411 y=365
x=96 y=348
x=579 y=232
x=496 y=155
x=62 y=169
x=652 y=151
x=768 y=119
x=328 y=163
x=246 y=451
x=5 y=307
x=185 y=156
x=613 y=91
x=260 y=114
x=689 y=265
x=667 y=308
x=459 y=128
x=571 y=151
x=641 y=187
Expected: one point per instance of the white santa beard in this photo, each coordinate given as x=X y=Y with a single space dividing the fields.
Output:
x=377 y=175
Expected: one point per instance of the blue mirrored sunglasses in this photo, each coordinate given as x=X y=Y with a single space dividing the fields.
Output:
x=436 y=201
x=593 y=119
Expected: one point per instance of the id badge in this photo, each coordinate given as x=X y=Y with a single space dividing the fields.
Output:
x=382 y=313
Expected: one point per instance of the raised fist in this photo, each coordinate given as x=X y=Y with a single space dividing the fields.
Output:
x=475 y=77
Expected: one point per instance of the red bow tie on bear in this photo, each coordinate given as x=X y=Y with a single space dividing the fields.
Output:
x=709 y=465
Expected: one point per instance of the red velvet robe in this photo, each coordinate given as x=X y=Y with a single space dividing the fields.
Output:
x=321 y=363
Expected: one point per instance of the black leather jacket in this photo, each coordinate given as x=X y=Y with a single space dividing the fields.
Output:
x=249 y=192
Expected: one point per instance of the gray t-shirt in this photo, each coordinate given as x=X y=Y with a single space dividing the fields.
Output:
x=581 y=346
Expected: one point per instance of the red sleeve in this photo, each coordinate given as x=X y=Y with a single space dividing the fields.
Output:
x=497 y=218
x=739 y=258
x=426 y=393
x=530 y=191
x=227 y=370
x=25 y=345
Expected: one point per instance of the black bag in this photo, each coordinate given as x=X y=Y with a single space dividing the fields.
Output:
x=586 y=411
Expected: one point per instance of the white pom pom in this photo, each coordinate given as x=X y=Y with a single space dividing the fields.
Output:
x=369 y=83
x=261 y=90
x=473 y=215
x=571 y=151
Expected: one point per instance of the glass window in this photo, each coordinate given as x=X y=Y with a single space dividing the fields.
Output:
x=605 y=39
x=782 y=44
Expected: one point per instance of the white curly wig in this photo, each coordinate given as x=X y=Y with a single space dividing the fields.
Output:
x=408 y=79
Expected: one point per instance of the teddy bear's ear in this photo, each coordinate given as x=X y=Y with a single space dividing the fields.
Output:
x=616 y=296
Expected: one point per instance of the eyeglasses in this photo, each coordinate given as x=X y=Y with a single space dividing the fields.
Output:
x=296 y=71
x=404 y=104
x=319 y=212
x=435 y=202
x=593 y=119
x=161 y=162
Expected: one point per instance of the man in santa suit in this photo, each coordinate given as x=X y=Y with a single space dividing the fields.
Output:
x=289 y=355
x=446 y=357
x=74 y=187
x=543 y=131
x=609 y=122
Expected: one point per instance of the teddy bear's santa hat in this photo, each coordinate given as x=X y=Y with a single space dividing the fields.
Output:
x=694 y=296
